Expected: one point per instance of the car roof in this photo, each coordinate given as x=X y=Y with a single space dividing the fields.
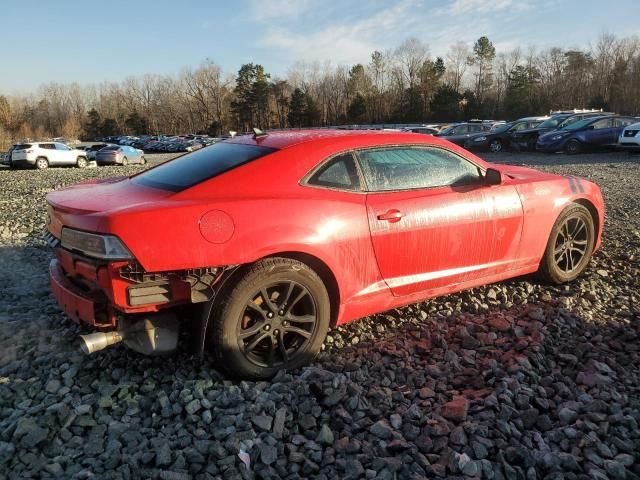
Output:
x=284 y=139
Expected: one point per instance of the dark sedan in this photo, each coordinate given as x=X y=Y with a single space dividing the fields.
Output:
x=499 y=138
x=584 y=134
x=527 y=138
x=460 y=132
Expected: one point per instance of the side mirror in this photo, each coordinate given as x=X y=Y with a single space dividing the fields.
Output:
x=492 y=177
x=591 y=127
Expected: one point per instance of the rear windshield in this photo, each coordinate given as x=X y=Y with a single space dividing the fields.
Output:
x=23 y=146
x=193 y=168
x=111 y=147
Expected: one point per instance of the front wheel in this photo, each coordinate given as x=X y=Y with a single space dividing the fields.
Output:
x=81 y=162
x=143 y=160
x=125 y=162
x=495 y=146
x=573 y=147
x=275 y=316
x=569 y=247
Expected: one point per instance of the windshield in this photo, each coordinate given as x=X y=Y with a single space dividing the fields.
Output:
x=578 y=124
x=203 y=164
x=502 y=128
x=551 y=122
x=448 y=130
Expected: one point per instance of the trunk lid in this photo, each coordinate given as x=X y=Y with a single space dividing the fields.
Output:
x=83 y=206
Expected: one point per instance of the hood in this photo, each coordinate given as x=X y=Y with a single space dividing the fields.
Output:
x=522 y=173
x=105 y=195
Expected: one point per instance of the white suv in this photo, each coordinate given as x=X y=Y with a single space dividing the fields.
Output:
x=630 y=137
x=47 y=154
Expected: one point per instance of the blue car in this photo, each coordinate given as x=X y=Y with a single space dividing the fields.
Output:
x=584 y=134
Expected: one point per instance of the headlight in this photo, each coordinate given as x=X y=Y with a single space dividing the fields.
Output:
x=107 y=247
x=479 y=139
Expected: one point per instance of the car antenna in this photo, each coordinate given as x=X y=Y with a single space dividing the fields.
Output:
x=258 y=133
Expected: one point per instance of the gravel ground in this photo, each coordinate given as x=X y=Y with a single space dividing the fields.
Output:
x=514 y=380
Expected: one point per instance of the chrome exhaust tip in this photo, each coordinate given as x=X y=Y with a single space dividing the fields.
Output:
x=94 y=342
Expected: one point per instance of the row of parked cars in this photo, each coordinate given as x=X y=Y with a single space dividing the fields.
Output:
x=47 y=154
x=117 y=150
x=163 y=143
x=570 y=132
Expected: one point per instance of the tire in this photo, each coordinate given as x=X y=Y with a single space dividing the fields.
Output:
x=143 y=161
x=81 y=162
x=42 y=163
x=569 y=247
x=248 y=331
x=495 y=146
x=573 y=147
x=125 y=162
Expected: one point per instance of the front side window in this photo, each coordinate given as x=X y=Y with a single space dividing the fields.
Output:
x=60 y=146
x=604 y=123
x=196 y=167
x=339 y=172
x=404 y=168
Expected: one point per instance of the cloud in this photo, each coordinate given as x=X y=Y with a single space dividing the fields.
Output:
x=459 y=7
x=268 y=10
x=349 y=41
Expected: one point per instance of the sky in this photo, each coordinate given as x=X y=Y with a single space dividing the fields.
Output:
x=88 y=41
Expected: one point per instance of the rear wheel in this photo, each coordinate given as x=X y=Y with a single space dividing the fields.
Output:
x=42 y=163
x=570 y=245
x=81 y=162
x=143 y=160
x=573 y=147
x=275 y=316
x=495 y=146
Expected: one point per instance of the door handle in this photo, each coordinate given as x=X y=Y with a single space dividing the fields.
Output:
x=391 y=216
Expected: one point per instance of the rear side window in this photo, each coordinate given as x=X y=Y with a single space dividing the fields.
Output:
x=47 y=146
x=339 y=172
x=196 y=167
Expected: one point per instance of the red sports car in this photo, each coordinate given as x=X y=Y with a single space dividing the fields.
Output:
x=269 y=240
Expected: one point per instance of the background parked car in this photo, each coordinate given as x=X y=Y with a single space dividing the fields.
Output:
x=460 y=133
x=630 y=137
x=120 y=155
x=423 y=130
x=499 y=137
x=527 y=138
x=585 y=134
x=92 y=150
x=47 y=154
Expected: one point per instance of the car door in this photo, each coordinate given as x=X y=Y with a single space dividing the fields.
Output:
x=433 y=221
x=618 y=127
x=63 y=155
x=600 y=132
x=49 y=151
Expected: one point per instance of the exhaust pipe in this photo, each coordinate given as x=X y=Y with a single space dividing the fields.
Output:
x=94 y=342
x=153 y=334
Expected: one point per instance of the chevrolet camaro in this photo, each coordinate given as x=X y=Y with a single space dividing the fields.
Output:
x=261 y=243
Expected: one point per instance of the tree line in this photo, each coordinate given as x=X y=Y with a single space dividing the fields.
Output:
x=401 y=85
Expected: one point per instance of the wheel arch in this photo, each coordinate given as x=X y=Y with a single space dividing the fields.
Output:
x=315 y=263
x=593 y=211
x=326 y=275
